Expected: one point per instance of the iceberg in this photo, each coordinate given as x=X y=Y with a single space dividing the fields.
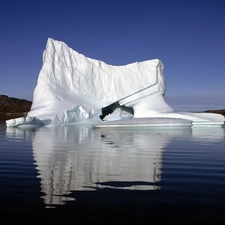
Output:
x=73 y=88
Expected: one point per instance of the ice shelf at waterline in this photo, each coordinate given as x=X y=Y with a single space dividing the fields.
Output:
x=72 y=88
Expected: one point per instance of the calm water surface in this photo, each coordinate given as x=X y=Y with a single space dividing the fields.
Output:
x=81 y=173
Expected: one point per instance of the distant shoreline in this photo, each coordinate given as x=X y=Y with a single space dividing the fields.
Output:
x=218 y=111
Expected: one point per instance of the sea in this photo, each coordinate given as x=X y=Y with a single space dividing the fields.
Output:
x=78 y=174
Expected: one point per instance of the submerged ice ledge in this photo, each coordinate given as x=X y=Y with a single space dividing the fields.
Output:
x=72 y=88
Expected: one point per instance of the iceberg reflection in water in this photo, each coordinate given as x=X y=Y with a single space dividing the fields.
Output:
x=78 y=158
x=81 y=158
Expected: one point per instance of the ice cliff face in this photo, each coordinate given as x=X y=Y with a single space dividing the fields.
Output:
x=72 y=87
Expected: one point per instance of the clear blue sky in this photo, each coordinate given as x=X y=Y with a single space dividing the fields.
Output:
x=188 y=36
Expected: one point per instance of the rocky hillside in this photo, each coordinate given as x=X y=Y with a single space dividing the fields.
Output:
x=14 y=105
x=219 y=111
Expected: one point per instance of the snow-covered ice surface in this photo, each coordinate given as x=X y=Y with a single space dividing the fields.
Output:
x=72 y=88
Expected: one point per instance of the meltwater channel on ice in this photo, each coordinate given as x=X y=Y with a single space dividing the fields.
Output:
x=74 y=89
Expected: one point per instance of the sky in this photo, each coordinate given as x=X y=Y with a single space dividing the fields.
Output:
x=188 y=36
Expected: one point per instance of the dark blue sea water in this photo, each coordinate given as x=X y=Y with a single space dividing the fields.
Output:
x=78 y=173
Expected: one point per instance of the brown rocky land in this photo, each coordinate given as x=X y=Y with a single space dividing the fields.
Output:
x=219 y=111
x=14 y=105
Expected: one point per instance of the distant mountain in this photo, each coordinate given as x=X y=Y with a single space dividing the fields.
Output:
x=14 y=105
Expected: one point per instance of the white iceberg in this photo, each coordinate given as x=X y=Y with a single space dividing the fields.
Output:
x=72 y=88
